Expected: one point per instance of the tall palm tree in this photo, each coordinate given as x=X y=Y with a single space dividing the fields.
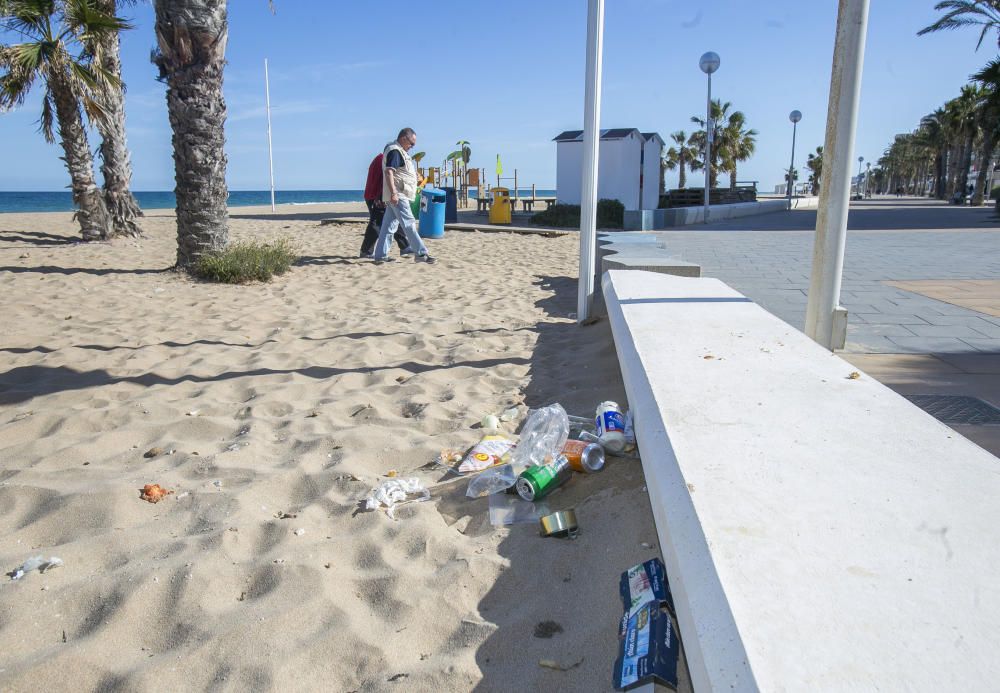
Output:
x=989 y=121
x=934 y=132
x=116 y=164
x=814 y=162
x=679 y=156
x=963 y=13
x=191 y=40
x=720 y=117
x=55 y=51
x=738 y=144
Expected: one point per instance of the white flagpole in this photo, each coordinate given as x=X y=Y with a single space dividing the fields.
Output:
x=823 y=307
x=270 y=156
x=591 y=144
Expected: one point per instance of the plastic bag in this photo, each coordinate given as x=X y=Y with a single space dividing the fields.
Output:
x=393 y=492
x=493 y=480
x=510 y=509
x=543 y=436
x=35 y=563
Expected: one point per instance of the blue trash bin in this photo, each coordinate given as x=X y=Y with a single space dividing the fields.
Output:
x=450 y=206
x=432 y=204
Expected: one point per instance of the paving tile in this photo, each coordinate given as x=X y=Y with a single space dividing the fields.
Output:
x=959 y=331
x=933 y=345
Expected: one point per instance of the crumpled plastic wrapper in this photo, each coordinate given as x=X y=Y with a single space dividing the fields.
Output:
x=35 y=563
x=395 y=492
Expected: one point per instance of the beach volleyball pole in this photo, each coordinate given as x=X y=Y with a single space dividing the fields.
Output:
x=826 y=321
x=591 y=142
x=270 y=156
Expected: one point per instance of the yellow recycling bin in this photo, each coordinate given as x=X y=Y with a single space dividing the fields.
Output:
x=500 y=208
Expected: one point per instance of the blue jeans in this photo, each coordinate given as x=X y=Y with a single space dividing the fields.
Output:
x=396 y=215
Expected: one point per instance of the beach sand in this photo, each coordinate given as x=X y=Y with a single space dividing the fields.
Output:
x=294 y=397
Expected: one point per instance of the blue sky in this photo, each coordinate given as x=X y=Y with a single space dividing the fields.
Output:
x=508 y=77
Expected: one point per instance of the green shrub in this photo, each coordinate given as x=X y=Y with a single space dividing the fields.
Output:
x=246 y=261
x=610 y=215
x=995 y=193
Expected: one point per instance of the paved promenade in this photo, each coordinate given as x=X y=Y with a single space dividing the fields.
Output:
x=921 y=286
x=769 y=259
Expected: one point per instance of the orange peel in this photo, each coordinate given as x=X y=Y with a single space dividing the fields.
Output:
x=153 y=493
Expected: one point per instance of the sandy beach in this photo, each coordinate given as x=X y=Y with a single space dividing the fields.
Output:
x=276 y=408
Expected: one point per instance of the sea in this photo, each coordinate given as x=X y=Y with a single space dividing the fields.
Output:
x=62 y=201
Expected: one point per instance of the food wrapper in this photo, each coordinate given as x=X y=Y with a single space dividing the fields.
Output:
x=646 y=582
x=486 y=453
x=649 y=649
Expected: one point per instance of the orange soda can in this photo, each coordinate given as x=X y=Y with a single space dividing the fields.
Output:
x=583 y=456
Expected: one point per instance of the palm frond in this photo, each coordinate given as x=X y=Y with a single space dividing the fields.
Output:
x=45 y=123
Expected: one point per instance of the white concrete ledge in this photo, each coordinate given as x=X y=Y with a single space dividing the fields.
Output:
x=819 y=532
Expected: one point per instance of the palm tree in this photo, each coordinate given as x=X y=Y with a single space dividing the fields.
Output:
x=55 y=51
x=116 y=164
x=720 y=117
x=933 y=129
x=989 y=121
x=737 y=144
x=191 y=40
x=679 y=157
x=814 y=162
x=963 y=13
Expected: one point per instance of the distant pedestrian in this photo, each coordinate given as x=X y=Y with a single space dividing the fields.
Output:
x=376 y=211
x=399 y=188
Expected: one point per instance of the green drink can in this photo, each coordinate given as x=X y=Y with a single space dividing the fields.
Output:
x=537 y=482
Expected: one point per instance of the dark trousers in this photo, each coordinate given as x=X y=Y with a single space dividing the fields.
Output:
x=375 y=215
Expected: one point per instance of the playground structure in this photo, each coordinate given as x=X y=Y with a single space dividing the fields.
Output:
x=454 y=173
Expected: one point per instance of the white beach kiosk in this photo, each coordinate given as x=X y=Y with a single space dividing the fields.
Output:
x=629 y=170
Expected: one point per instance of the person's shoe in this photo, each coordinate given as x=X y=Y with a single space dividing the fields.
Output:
x=380 y=260
x=406 y=251
x=368 y=256
x=424 y=258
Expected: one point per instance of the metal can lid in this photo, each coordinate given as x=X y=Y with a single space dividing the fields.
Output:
x=592 y=458
x=525 y=489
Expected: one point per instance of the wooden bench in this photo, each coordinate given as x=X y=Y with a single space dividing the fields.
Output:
x=819 y=531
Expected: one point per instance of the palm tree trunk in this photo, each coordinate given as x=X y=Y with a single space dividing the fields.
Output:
x=91 y=210
x=116 y=165
x=732 y=178
x=985 y=162
x=682 y=181
x=192 y=35
x=965 y=164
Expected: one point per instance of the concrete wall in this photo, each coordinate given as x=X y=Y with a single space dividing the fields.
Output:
x=820 y=532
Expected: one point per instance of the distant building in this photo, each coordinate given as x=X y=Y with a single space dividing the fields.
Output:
x=628 y=167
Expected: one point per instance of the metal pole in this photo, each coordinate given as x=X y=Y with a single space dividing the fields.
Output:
x=791 y=168
x=270 y=155
x=835 y=194
x=709 y=136
x=591 y=143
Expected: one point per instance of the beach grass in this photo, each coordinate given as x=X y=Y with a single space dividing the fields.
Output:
x=247 y=261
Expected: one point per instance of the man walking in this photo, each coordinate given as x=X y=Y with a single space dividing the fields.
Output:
x=399 y=188
x=376 y=211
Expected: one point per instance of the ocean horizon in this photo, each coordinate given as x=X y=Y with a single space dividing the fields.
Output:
x=62 y=200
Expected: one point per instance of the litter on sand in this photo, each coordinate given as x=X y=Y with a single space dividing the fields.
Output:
x=35 y=563
x=153 y=493
x=393 y=493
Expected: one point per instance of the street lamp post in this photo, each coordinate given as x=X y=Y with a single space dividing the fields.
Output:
x=868 y=179
x=795 y=117
x=709 y=63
